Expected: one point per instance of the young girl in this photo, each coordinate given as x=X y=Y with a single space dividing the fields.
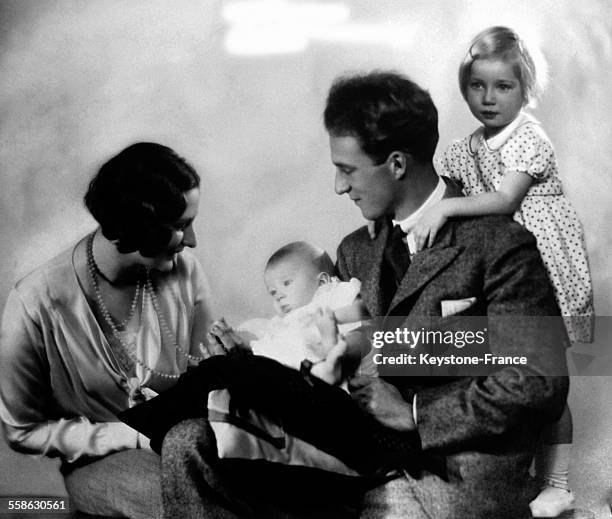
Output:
x=508 y=166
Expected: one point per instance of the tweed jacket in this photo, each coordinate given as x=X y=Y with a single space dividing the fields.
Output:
x=486 y=427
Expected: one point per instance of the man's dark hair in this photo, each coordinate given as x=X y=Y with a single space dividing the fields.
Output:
x=386 y=112
x=138 y=194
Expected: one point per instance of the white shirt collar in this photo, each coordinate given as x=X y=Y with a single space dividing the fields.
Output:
x=436 y=195
x=408 y=223
x=499 y=140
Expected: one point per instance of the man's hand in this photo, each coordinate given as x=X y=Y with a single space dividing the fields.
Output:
x=383 y=401
x=429 y=224
x=330 y=369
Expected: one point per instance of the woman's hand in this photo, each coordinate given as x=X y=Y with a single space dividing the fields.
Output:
x=429 y=224
x=211 y=347
x=220 y=339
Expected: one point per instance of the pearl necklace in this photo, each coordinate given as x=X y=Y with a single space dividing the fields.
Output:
x=150 y=291
x=93 y=268
x=147 y=291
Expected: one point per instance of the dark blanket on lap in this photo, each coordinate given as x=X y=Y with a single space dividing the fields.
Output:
x=308 y=408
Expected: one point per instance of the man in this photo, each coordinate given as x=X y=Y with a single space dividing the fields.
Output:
x=460 y=447
x=383 y=133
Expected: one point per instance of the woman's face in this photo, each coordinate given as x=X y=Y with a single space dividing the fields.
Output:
x=182 y=235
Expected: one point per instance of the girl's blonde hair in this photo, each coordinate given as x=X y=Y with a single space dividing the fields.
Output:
x=504 y=44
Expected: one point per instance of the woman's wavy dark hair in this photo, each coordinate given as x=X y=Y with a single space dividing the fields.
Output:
x=138 y=194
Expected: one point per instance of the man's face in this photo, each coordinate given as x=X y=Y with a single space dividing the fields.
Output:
x=372 y=187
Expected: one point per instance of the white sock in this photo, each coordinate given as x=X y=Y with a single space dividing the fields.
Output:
x=554 y=465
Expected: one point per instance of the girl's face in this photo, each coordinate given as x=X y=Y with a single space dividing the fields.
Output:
x=494 y=94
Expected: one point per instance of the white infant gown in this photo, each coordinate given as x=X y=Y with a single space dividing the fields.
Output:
x=294 y=337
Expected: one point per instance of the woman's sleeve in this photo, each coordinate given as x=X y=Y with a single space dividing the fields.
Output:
x=528 y=151
x=26 y=398
x=202 y=314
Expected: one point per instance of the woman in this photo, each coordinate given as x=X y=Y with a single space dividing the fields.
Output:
x=106 y=324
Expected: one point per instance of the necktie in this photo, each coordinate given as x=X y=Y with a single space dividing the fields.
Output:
x=396 y=259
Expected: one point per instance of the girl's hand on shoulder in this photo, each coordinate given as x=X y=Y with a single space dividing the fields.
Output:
x=426 y=229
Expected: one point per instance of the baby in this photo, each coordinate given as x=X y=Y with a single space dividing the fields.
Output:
x=312 y=307
x=309 y=302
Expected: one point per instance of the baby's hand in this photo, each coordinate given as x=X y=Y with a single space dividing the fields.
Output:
x=427 y=227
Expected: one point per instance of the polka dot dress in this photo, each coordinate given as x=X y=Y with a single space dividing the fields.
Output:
x=523 y=146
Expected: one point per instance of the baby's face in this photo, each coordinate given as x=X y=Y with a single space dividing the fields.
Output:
x=292 y=283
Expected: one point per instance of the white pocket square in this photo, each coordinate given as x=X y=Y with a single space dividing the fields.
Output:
x=455 y=306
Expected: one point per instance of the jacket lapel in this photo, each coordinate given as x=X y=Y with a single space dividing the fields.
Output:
x=429 y=262
x=425 y=266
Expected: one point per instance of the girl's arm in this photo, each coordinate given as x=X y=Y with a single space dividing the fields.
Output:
x=506 y=200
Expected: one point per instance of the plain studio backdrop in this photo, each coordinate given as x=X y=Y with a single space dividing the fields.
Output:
x=238 y=88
